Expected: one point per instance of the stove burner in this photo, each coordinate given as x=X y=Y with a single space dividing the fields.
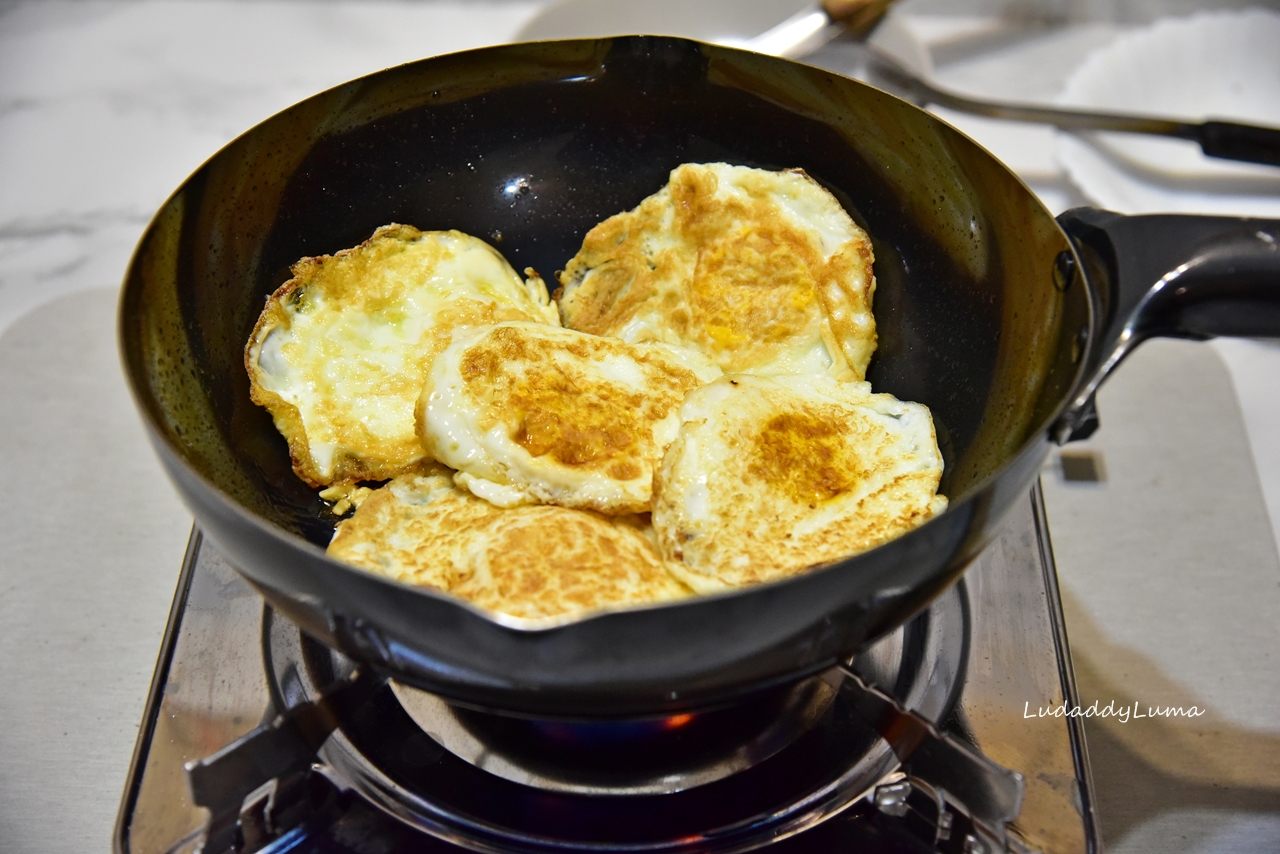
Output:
x=394 y=779
x=625 y=757
x=773 y=766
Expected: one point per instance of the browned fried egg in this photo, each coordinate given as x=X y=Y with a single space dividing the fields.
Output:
x=762 y=271
x=532 y=561
x=341 y=350
x=528 y=413
x=773 y=475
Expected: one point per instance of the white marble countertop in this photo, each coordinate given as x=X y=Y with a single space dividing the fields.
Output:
x=1169 y=568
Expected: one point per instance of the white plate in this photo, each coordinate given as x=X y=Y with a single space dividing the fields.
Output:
x=1221 y=65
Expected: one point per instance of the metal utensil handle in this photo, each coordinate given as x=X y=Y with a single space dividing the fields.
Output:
x=809 y=29
x=1226 y=140
x=858 y=17
x=990 y=795
x=1234 y=141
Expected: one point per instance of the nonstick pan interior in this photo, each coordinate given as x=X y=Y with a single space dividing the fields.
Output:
x=527 y=147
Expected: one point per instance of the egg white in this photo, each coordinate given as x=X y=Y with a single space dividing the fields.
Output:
x=631 y=391
x=341 y=350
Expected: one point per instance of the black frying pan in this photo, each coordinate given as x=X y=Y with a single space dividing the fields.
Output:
x=996 y=316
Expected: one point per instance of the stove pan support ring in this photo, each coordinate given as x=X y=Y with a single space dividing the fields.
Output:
x=240 y=783
x=1019 y=571
x=935 y=665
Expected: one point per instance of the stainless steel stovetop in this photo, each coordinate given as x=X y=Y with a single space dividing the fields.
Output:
x=405 y=772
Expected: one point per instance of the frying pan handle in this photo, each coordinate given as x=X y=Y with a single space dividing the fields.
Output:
x=1234 y=141
x=1169 y=275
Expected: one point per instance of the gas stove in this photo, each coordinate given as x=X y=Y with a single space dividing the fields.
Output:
x=298 y=749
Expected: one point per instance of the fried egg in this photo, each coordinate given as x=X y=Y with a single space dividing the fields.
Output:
x=762 y=271
x=532 y=561
x=341 y=350
x=770 y=476
x=529 y=413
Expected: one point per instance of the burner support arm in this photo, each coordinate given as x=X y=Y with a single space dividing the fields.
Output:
x=952 y=796
x=280 y=750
